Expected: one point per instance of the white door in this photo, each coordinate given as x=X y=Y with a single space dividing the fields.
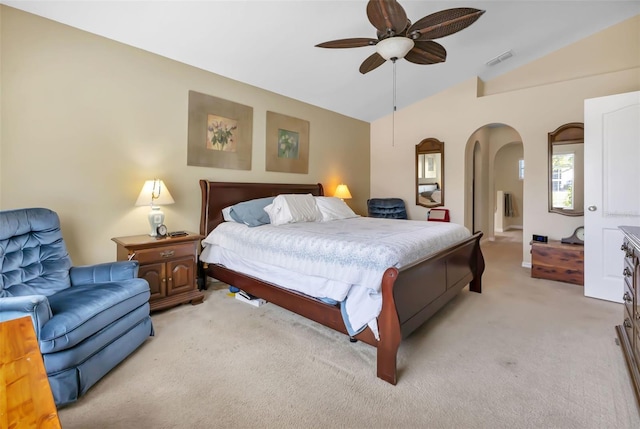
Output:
x=611 y=188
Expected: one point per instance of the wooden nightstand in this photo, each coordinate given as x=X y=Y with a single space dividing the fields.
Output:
x=168 y=264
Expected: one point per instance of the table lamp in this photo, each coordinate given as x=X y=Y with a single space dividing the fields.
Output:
x=342 y=192
x=154 y=193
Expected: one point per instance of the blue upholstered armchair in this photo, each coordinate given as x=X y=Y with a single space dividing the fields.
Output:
x=87 y=319
x=391 y=208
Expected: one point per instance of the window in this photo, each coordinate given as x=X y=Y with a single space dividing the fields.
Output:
x=521 y=169
x=562 y=180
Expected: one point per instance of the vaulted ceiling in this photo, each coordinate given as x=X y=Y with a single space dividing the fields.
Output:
x=271 y=43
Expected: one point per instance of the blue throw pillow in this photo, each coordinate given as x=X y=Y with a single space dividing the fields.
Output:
x=251 y=212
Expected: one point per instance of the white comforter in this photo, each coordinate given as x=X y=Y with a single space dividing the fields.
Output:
x=344 y=259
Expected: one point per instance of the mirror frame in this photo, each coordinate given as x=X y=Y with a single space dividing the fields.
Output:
x=570 y=133
x=427 y=146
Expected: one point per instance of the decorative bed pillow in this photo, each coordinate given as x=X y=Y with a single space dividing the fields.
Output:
x=333 y=208
x=226 y=214
x=251 y=212
x=291 y=208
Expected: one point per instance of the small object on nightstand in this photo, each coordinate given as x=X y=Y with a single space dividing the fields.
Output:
x=540 y=238
x=576 y=238
x=162 y=231
x=178 y=233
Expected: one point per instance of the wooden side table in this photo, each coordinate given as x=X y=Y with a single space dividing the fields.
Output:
x=168 y=264
x=25 y=395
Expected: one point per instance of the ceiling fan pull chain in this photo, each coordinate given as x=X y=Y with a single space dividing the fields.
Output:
x=393 y=117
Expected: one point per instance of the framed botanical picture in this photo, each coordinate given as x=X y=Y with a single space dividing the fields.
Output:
x=220 y=133
x=287 y=144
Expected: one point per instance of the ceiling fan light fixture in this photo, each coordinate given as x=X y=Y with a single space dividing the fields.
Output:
x=394 y=47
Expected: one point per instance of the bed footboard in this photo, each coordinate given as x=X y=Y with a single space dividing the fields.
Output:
x=414 y=294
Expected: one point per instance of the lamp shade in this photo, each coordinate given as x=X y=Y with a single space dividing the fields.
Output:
x=394 y=47
x=342 y=192
x=154 y=193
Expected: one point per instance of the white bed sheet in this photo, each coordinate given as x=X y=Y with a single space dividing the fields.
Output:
x=342 y=260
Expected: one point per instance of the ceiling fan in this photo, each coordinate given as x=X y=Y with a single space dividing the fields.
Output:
x=398 y=38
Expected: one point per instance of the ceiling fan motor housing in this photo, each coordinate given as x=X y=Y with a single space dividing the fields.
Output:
x=394 y=48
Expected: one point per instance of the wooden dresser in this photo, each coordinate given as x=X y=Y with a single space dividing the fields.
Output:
x=558 y=261
x=629 y=331
x=168 y=264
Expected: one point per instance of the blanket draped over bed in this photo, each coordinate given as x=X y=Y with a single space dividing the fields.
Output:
x=411 y=291
x=345 y=258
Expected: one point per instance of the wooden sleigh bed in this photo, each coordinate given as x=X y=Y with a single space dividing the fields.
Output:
x=410 y=296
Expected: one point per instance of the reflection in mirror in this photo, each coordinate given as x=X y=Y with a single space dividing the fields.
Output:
x=566 y=170
x=430 y=173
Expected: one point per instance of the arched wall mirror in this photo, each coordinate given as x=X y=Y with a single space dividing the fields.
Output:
x=566 y=170
x=430 y=173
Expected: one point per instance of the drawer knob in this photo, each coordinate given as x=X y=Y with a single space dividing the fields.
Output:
x=167 y=253
x=626 y=297
x=627 y=323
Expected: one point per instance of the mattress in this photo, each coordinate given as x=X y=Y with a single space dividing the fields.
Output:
x=341 y=260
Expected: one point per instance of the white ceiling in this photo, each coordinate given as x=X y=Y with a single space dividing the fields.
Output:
x=270 y=43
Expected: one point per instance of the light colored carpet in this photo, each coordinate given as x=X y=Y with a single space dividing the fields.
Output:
x=525 y=353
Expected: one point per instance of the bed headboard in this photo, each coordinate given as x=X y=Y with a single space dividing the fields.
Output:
x=218 y=195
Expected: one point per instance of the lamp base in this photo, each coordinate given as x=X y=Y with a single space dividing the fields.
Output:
x=156 y=218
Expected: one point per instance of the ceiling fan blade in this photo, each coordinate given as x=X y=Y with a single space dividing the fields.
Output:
x=426 y=52
x=372 y=62
x=387 y=16
x=348 y=43
x=443 y=23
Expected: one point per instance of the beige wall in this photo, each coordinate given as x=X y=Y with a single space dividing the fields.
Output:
x=86 y=120
x=454 y=115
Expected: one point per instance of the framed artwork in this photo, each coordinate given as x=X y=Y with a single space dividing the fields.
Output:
x=287 y=144
x=220 y=133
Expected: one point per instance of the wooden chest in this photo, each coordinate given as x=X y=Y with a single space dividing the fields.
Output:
x=557 y=261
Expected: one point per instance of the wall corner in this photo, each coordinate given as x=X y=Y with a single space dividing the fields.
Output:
x=479 y=87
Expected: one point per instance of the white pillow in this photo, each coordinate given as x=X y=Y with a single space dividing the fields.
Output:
x=333 y=208
x=291 y=208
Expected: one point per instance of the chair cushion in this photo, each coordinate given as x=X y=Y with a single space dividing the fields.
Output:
x=73 y=356
x=33 y=256
x=81 y=311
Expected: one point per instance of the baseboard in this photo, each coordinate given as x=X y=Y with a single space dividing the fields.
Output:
x=526 y=264
x=510 y=227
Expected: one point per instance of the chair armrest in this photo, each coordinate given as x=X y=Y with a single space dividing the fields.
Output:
x=36 y=306
x=100 y=273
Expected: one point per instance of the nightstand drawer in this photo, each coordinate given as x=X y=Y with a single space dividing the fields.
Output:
x=159 y=254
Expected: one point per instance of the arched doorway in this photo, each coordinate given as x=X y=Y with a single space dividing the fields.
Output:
x=488 y=165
